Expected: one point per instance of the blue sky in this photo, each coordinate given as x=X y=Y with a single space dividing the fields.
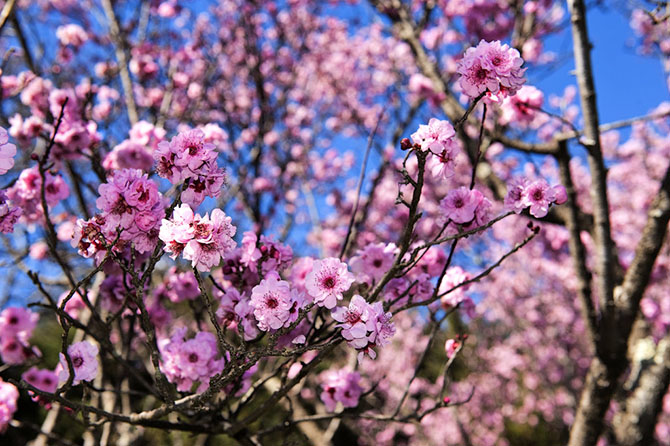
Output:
x=627 y=84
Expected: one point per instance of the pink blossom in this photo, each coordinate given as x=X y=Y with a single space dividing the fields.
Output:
x=126 y=155
x=460 y=204
x=131 y=203
x=7 y=152
x=204 y=241
x=9 y=395
x=374 y=260
x=71 y=34
x=84 y=357
x=9 y=214
x=516 y=199
x=437 y=136
x=42 y=379
x=340 y=386
x=540 y=196
x=272 y=303
x=356 y=321
x=491 y=67
x=327 y=281
x=522 y=108
x=364 y=326
x=452 y=278
x=17 y=322
x=192 y=361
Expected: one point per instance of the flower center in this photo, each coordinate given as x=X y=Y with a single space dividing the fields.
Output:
x=329 y=282
x=272 y=302
x=192 y=357
x=77 y=361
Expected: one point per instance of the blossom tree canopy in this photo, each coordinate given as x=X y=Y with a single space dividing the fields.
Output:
x=335 y=222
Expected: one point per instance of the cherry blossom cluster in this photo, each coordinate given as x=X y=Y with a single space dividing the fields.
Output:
x=42 y=379
x=468 y=207
x=187 y=362
x=131 y=208
x=340 y=386
x=84 y=358
x=16 y=327
x=202 y=240
x=189 y=157
x=537 y=195
x=26 y=193
x=263 y=255
x=235 y=310
x=437 y=137
x=364 y=325
x=491 y=68
x=522 y=109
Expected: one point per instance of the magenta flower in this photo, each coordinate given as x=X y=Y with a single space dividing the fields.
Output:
x=17 y=322
x=202 y=240
x=42 y=379
x=540 y=195
x=9 y=214
x=340 y=386
x=460 y=204
x=437 y=136
x=516 y=199
x=8 y=397
x=522 y=108
x=356 y=321
x=374 y=260
x=272 y=303
x=7 y=152
x=327 y=281
x=187 y=362
x=491 y=68
x=84 y=357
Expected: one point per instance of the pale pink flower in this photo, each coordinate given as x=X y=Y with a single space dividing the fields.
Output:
x=9 y=394
x=374 y=260
x=437 y=136
x=340 y=386
x=459 y=205
x=540 y=196
x=272 y=303
x=42 y=379
x=327 y=281
x=7 y=152
x=84 y=357
x=71 y=34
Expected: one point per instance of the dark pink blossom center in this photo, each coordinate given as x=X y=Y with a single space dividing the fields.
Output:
x=192 y=357
x=77 y=361
x=352 y=317
x=329 y=282
x=271 y=302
